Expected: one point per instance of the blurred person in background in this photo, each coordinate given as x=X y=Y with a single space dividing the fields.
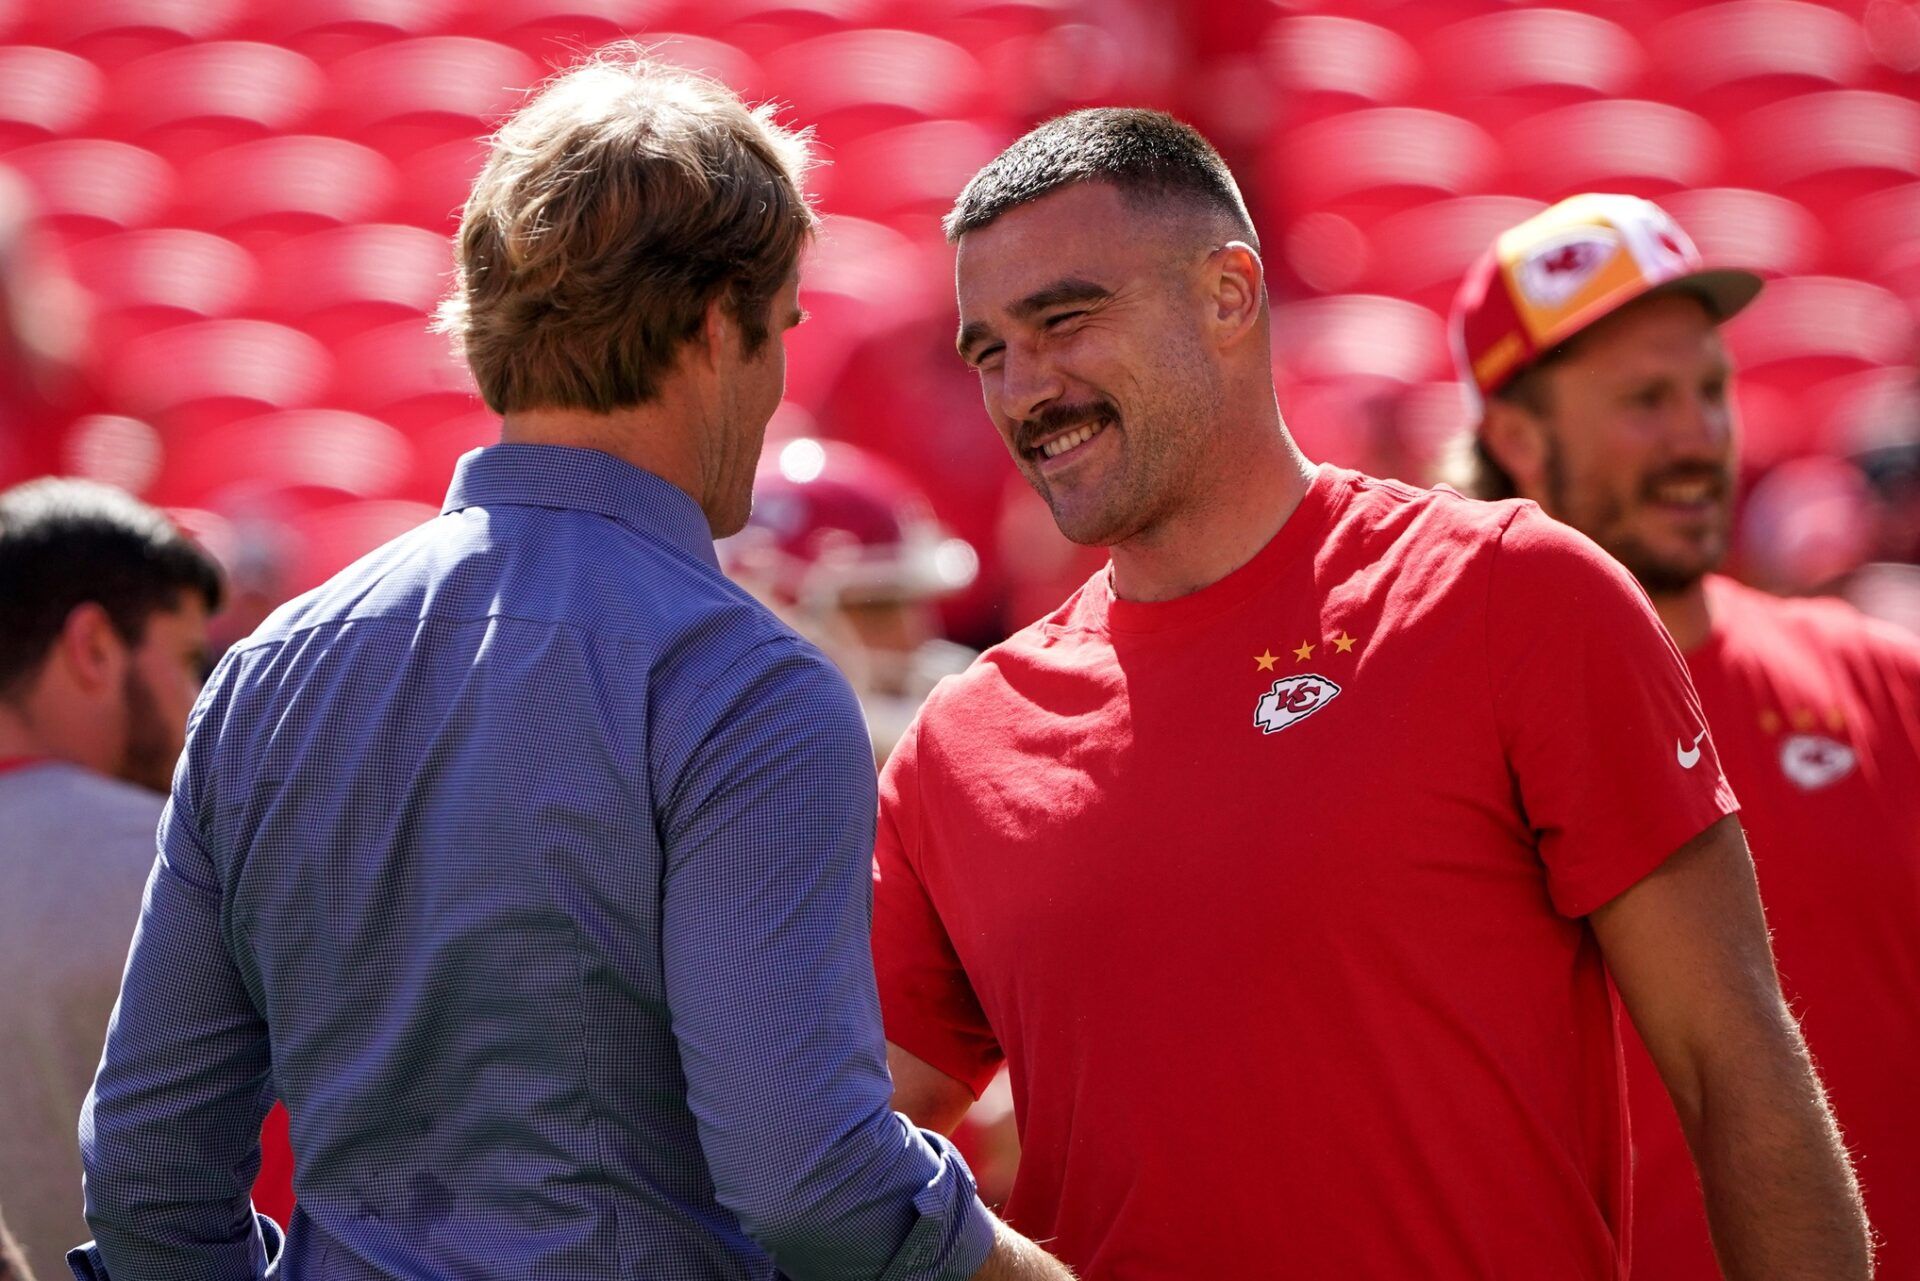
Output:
x=103 y=638
x=847 y=550
x=1589 y=335
x=530 y=855
x=1284 y=864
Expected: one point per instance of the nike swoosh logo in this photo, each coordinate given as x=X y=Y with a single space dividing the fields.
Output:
x=1689 y=756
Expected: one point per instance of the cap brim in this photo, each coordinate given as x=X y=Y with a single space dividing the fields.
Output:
x=1725 y=290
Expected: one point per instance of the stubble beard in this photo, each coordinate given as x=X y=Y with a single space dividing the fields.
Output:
x=151 y=751
x=1659 y=573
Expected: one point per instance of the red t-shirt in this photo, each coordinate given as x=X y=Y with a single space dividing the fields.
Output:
x=1816 y=711
x=1271 y=897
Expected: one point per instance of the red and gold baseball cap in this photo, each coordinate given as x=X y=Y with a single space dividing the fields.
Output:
x=1566 y=267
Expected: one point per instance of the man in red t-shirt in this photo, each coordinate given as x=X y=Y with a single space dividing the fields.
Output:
x=1285 y=863
x=1590 y=335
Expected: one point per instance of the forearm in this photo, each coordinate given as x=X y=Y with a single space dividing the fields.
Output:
x=1780 y=1193
x=1014 y=1258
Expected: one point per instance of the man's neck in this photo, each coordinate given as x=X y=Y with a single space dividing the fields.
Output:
x=1251 y=497
x=653 y=437
x=1686 y=614
x=21 y=737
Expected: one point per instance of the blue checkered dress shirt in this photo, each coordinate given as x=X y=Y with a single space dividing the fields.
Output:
x=529 y=862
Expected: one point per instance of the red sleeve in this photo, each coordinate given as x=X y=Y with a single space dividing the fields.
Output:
x=928 y=1004
x=1601 y=726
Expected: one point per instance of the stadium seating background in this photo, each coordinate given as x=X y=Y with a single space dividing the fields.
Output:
x=256 y=198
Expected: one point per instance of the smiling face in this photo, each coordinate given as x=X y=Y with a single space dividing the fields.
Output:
x=1084 y=317
x=1638 y=435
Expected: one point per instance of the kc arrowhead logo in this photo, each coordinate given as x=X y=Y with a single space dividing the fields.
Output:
x=1814 y=762
x=1292 y=699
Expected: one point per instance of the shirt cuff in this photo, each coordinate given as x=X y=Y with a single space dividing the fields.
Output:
x=85 y=1263
x=954 y=1233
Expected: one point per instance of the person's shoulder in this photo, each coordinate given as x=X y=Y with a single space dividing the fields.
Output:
x=85 y=801
x=1375 y=508
x=1828 y=625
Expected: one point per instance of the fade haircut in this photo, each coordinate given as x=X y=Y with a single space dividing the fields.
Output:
x=614 y=208
x=1151 y=158
x=67 y=543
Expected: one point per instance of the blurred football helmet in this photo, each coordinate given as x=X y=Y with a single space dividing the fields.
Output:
x=844 y=546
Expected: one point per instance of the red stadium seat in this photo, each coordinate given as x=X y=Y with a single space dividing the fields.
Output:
x=113 y=31
x=349 y=279
x=1423 y=253
x=1359 y=336
x=89 y=185
x=1639 y=147
x=1828 y=147
x=329 y=29
x=1815 y=327
x=976 y=24
x=1536 y=58
x=1408 y=152
x=1322 y=63
x=857 y=278
x=144 y=280
x=1866 y=411
x=189 y=100
x=724 y=62
x=1740 y=228
x=288 y=184
x=330 y=448
x=413 y=94
x=1879 y=229
x=437 y=183
x=853 y=82
x=190 y=376
x=764 y=26
x=1740 y=54
x=328 y=539
x=404 y=374
x=437 y=446
x=909 y=174
x=554 y=32
x=44 y=93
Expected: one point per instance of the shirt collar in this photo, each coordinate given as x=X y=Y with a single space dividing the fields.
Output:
x=582 y=480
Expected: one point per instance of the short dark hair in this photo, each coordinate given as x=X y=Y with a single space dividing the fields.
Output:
x=1148 y=155
x=64 y=543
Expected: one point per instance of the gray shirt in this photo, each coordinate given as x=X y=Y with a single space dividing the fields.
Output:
x=75 y=851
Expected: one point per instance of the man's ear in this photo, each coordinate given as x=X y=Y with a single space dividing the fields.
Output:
x=1236 y=284
x=1516 y=437
x=719 y=332
x=91 y=650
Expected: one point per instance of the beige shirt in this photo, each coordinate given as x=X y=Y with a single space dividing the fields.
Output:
x=75 y=850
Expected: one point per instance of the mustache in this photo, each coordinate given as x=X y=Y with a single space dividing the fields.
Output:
x=1719 y=477
x=1055 y=419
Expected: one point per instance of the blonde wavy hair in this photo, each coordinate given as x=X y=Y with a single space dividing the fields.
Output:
x=625 y=197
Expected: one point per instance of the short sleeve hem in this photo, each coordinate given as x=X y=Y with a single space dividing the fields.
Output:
x=1580 y=893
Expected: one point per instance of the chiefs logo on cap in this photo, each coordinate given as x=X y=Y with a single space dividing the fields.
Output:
x=1559 y=269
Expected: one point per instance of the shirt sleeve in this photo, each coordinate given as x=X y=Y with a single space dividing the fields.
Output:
x=930 y=1006
x=1604 y=735
x=170 y=1132
x=767 y=909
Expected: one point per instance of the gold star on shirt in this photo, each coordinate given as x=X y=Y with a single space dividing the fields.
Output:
x=1343 y=644
x=1770 y=721
x=1265 y=660
x=1304 y=652
x=1803 y=718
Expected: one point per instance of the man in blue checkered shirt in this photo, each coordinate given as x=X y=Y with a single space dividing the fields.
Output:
x=528 y=860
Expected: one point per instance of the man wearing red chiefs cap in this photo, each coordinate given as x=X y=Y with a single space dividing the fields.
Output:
x=1285 y=864
x=1589 y=337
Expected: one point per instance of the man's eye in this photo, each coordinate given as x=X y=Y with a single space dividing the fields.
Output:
x=1062 y=317
x=986 y=354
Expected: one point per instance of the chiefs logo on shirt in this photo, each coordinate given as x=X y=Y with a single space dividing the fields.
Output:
x=1813 y=762
x=1292 y=699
